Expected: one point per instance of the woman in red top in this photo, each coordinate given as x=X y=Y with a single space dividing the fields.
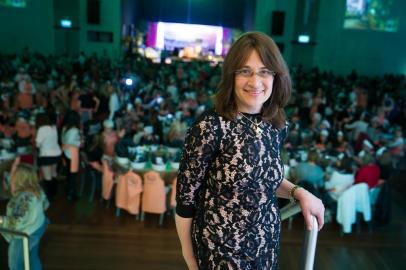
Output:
x=369 y=172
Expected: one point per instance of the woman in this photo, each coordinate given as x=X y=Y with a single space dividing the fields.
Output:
x=369 y=172
x=310 y=172
x=25 y=213
x=71 y=142
x=49 y=153
x=231 y=171
x=341 y=179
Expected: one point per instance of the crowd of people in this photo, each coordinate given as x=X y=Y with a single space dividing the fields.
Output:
x=55 y=107
x=72 y=100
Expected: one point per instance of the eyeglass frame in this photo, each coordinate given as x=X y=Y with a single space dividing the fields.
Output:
x=269 y=73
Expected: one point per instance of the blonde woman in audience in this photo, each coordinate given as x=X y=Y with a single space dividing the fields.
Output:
x=25 y=213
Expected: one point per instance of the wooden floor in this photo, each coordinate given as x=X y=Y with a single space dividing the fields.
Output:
x=87 y=235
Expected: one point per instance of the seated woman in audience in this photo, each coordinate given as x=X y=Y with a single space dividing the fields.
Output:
x=23 y=135
x=322 y=143
x=177 y=133
x=310 y=173
x=367 y=149
x=25 y=213
x=125 y=135
x=369 y=172
x=148 y=136
x=341 y=178
x=340 y=144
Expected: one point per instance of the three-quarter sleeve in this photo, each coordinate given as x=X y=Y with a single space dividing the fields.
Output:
x=200 y=149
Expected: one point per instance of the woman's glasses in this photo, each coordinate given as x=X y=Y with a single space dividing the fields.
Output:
x=263 y=73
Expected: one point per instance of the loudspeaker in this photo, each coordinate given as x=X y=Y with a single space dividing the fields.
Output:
x=278 y=23
x=93 y=11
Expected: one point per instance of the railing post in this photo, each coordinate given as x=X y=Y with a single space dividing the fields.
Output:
x=26 y=254
x=309 y=246
x=26 y=250
x=310 y=237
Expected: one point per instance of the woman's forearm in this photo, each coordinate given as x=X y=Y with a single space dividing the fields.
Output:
x=284 y=189
x=183 y=227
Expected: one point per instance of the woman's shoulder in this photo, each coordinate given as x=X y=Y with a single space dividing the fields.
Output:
x=209 y=116
x=72 y=130
x=22 y=198
x=46 y=129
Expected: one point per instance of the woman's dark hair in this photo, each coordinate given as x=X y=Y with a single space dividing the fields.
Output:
x=72 y=119
x=42 y=119
x=312 y=156
x=272 y=110
x=346 y=165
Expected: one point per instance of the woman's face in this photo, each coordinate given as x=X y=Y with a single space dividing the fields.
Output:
x=253 y=85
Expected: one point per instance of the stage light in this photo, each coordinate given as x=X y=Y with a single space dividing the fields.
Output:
x=128 y=82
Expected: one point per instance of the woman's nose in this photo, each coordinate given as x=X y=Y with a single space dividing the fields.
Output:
x=255 y=81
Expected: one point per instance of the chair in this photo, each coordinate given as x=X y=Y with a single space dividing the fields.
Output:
x=128 y=193
x=154 y=195
x=89 y=172
x=353 y=200
x=373 y=195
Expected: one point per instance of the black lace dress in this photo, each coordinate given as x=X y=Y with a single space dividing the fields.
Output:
x=227 y=182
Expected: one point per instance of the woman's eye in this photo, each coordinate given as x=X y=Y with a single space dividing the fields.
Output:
x=246 y=72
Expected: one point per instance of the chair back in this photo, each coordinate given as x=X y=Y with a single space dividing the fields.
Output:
x=353 y=200
x=154 y=196
x=107 y=180
x=373 y=194
x=128 y=192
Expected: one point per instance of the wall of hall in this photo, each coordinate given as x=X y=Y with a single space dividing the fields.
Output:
x=31 y=26
x=110 y=21
x=37 y=26
x=263 y=22
x=333 y=47
x=366 y=51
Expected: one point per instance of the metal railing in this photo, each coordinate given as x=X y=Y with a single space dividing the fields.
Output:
x=24 y=237
x=310 y=238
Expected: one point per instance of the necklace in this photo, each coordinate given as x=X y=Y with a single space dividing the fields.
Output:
x=258 y=128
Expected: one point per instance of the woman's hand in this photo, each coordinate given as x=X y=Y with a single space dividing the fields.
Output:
x=311 y=205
